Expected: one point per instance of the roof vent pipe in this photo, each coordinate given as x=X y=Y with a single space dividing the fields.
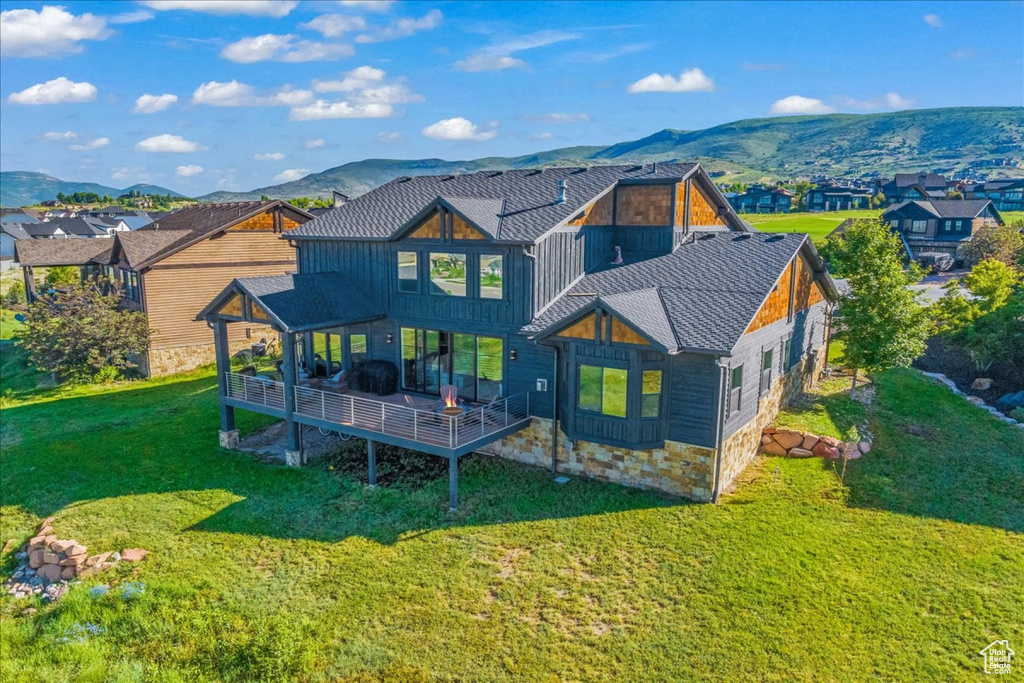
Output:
x=338 y=199
x=562 y=186
x=618 y=256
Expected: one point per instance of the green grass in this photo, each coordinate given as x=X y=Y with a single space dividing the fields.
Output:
x=260 y=572
x=9 y=327
x=817 y=225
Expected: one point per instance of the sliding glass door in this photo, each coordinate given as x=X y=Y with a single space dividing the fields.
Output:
x=432 y=358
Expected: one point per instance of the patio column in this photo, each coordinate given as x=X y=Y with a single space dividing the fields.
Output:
x=453 y=483
x=30 y=283
x=293 y=453
x=371 y=457
x=228 y=435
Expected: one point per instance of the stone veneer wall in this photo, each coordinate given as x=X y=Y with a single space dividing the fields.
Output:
x=169 y=361
x=739 y=449
x=677 y=468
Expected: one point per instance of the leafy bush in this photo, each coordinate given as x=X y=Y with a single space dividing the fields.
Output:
x=16 y=294
x=62 y=276
x=992 y=281
x=82 y=333
x=1003 y=243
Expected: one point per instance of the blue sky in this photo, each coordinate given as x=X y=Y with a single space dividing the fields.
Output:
x=201 y=96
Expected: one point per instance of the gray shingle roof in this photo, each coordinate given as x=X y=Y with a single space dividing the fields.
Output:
x=946 y=208
x=83 y=227
x=530 y=197
x=925 y=180
x=701 y=297
x=15 y=230
x=70 y=251
x=307 y=301
x=142 y=245
x=484 y=213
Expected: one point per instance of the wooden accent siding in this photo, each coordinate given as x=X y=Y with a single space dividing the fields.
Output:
x=625 y=335
x=596 y=213
x=581 y=329
x=776 y=306
x=264 y=221
x=702 y=212
x=680 y=217
x=461 y=230
x=644 y=205
x=242 y=247
x=429 y=227
x=232 y=306
x=808 y=291
x=288 y=223
x=175 y=296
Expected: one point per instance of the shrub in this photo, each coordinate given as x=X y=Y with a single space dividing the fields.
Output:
x=62 y=276
x=992 y=281
x=1000 y=242
x=16 y=294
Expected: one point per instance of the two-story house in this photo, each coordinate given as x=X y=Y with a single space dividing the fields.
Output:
x=758 y=199
x=940 y=225
x=837 y=198
x=1007 y=194
x=905 y=187
x=171 y=268
x=617 y=322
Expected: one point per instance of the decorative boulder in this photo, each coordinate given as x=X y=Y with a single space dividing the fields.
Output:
x=133 y=554
x=809 y=442
x=773 y=449
x=787 y=438
x=824 y=450
x=982 y=384
x=50 y=573
x=800 y=453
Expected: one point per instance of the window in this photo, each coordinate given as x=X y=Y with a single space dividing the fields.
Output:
x=895 y=222
x=357 y=349
x=408 y=276
x=491 y=276
x=919 y=226
x=766 y=371
x=431 y=358
x=650 y=397
x=787 y=355
x=326 y=358
x=736 y=390
x=603 y=390
x=448 y=274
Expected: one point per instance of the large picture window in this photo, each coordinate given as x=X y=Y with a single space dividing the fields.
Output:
x=408 y=275
x=919 y=226
x=603 y=390
x=448 y=274
x=472 y=364
x=357 y=348
x=491 y=276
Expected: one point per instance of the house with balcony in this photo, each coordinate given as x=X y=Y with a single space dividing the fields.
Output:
x=940 y=226
x=837 y=198
x=617 y=322
x=758 y=199
x=170 y=269
x=906 y=187
x=1007 y=194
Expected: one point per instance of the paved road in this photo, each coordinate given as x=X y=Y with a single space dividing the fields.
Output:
x=931 y=286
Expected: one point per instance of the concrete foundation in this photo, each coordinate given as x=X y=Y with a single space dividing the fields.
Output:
x=293 y=458
x=228 y=439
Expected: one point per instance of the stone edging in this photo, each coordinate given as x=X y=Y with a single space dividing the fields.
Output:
x=995 y=412
x=791 y=443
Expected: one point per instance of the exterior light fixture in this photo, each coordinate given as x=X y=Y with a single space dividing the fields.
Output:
x=390 y=338
x=513 y=354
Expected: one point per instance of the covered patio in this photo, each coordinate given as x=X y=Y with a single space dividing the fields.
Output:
x=298 y=305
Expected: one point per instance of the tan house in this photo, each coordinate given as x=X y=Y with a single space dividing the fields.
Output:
x=170 y=269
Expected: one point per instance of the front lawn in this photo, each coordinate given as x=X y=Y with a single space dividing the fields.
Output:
x=260 y=572
x=817 y=225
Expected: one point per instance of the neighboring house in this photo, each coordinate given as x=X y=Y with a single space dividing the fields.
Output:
x=911 y=186
x=940 y=225
x=136 y=219
x=17 y=217
x=1007 y=194
x=837 y=198
x=171 y=269
x=759 y=199
x=619 y=322
x=44 y=230
x=9 y=234
x=87 y=226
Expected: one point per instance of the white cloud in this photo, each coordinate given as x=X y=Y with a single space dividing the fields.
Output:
x=283 y=48
x=360 y=77
x=252 y=8
x=269 y=156
x=395 y=93
x=151 y=104
x=335 y=25
x=933 y=20
x=691 y=80
x=130 y=17
x=403 y=28
x=235 y=94
x=890 y=100
x=60 y=137
x=314 y=143
x=458 y=128
x=50 y=32
x=896 y=101
x=120 y=173
x=557 y=117
x=290 y=174
x=542 y=137
x=167 y=143
x=321 y=110
x=188 y=170
x=368 y=5
x=499 y=56
x=963 y=53
x=390 y=136
x=58 y=91
x=92 y=144
x=796 y=104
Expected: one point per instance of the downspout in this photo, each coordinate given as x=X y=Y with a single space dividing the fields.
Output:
x=720 y=435
x=554 y=414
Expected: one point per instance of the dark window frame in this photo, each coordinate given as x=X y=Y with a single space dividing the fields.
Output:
x=736 y=390
x=415 y=281
x=601 y=410
x=767 y=366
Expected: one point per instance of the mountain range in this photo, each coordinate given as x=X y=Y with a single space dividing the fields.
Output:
x=23 y=188
x=749 y=150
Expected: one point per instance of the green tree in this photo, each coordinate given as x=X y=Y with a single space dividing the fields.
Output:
x=877 y=200
x=995 y=341
x=800 y=191
x=953 y=312
x=301 y=202
x=82 y=332
x=880 y=320
x=16 y=294
x=62 y=276
x=738 y=188
x=1000 y=242
x=992 y=282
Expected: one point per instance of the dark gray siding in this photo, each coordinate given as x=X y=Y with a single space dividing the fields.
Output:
x=808 y=334
x=693 y=399
x=644 y=239
x=564 y=255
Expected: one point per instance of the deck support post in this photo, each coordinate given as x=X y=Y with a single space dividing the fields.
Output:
x=371 y=457
x=28 y=274
x=453 y=483
x=293 y=453
x=228 y=433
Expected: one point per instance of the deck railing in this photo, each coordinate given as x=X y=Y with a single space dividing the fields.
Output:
x=424 y=426
x=256 y=390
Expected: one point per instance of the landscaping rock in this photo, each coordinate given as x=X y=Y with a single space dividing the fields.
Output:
x=45 y=531
x=823 y=450
x=772 y=430
x=864 y=447
x=982 y=384
x=73 y=561
x=831 y=441
x=62 y=546
x=35 y=543
x=76 y=549
x=115 y=556
x=133 y=554
x=50 y=573
x=773 y=449
x=50 y=557
x=809 y=442
x=97 y=559
x=67 y=573
x=766 y=439
x=788 y=438
x=35 y=559
x=800 y=453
